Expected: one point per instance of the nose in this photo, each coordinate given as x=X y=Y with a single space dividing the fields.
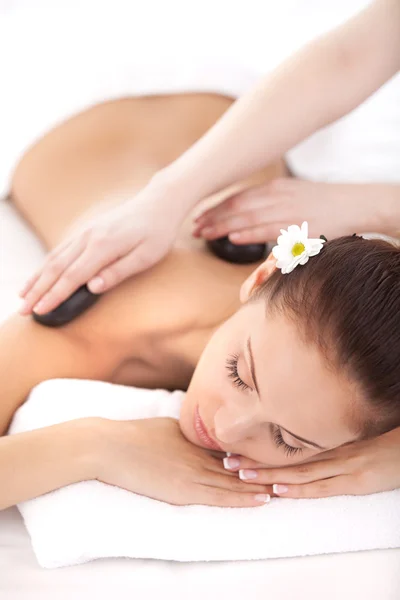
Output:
x=236 y=422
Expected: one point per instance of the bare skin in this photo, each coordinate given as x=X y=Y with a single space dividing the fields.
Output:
x=151 y=330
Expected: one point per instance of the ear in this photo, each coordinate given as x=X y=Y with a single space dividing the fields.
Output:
x=257 y=278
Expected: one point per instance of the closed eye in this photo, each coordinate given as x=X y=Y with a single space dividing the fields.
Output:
x=231 y=365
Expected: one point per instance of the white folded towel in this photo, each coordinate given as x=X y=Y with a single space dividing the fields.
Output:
x=92 y=520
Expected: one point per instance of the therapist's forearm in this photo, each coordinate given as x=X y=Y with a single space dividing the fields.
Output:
x=36 y=462
x=322 y=82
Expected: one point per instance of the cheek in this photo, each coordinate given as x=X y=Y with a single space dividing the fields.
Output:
x=204 y=390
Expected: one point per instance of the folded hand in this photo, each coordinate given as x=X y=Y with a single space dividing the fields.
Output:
x=357 y=468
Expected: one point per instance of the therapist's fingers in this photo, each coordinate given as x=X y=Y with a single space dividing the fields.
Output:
x=259 y=234
x=245 y=201
x=55 y=264
x=232 y=223
x=136 y=261
x=50 y=256
x=78 y=272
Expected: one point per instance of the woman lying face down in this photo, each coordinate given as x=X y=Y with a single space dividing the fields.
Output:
x=310 y=361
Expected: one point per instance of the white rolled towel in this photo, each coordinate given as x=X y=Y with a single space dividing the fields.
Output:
x=90 y=520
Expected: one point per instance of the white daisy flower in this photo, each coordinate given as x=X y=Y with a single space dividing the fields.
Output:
x=294 y=247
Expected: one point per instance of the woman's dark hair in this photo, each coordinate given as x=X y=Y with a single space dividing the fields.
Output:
x=346 y=300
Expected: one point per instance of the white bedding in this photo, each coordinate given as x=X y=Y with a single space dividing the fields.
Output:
x=27 y=108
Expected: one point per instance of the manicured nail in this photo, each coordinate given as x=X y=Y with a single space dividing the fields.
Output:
x=96 y=285
x=247 y=474
x=207 y=231
x=278 y=488
x=262 y=497
x=231 y=463
x=39 y=308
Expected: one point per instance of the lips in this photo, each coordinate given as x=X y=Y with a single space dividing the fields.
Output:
x=202 y=433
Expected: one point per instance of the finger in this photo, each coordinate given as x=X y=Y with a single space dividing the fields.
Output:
x=219 y=497
x=218 y=212
x=218 y=477
x=50 y=273
x=28 y=284
x=258 y=234
x=334 y=486
x=32 y=280
x=251 y=199
x=136 y=261
x=296 y=474
x=232 y=223
x=242 y=462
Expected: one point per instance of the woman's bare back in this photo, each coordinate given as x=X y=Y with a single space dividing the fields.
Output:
x=157 y=323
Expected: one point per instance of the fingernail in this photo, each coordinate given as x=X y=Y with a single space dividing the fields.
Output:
x=247 y=474
x=231 y=463
x=39 y=307
x=278 y=488
x=234 y=236
x=96 y=285
x=207 y=231
x=262 y=497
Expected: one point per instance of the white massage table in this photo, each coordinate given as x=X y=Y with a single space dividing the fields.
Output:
x=358 y=575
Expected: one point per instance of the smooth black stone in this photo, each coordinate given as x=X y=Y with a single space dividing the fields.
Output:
x=244 y=254
x=68 y=310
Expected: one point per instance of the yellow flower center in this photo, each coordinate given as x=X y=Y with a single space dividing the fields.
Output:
x=298 y=248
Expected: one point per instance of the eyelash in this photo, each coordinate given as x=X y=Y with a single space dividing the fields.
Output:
x=279 y=441
x=231 y=365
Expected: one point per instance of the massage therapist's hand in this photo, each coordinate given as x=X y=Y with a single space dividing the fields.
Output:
x=121 y=242
x=355 y=469
x=256 y=215
x=152 y=457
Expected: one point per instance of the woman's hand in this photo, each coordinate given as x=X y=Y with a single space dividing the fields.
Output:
x=151 y=457
x=356 y=469
x=123 y=241
x=331 y=209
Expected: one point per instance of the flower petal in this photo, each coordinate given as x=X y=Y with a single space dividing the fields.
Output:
x=304 y=259
x=294 y=230
x=304 y=229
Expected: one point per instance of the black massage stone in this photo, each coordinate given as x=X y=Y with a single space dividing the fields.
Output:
x=68 y=310
x=242 y=255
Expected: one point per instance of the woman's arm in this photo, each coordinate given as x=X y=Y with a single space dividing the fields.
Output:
x=37 y=462
x=322 y=82
x=31 y=353
x=40 y=461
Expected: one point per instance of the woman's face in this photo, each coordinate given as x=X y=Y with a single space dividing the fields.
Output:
x=263 y=393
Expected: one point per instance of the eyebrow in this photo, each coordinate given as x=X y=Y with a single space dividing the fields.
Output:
x=254 y=377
